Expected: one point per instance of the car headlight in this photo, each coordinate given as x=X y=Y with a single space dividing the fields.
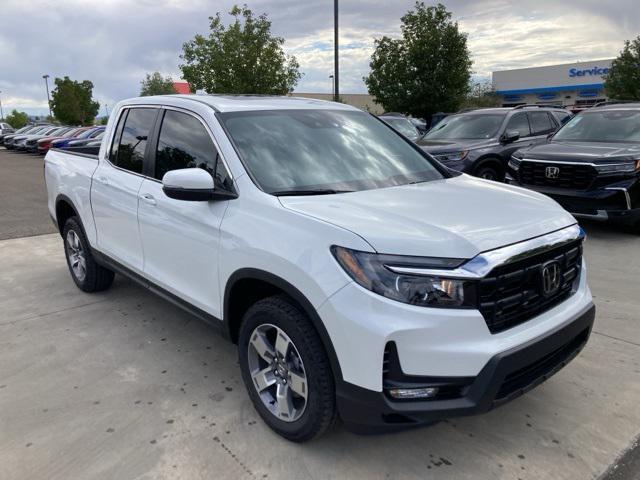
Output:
x=451 y=156
x=626 y=167
x=514 y=163
x=374 y=272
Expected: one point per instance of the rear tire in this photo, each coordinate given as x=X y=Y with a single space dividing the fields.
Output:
x=489 y=171
x=270 y=378
x=85 y=271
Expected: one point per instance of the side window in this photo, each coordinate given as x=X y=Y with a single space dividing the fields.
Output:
x=185 y=143
x=541 y=124
x=131 y=137
x=520 y=123
x=561 y=117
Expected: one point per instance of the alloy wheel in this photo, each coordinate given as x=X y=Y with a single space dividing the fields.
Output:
x=77 y=255
x=278 y=373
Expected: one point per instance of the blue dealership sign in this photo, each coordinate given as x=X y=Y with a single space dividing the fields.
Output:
x=586 y=72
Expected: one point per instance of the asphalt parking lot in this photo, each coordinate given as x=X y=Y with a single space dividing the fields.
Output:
x=122 y=384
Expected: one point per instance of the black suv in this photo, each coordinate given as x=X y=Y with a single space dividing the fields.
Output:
x=480 y=142
x=591 y=166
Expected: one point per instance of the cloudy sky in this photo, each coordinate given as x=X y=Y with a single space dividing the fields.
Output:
x=114 y=43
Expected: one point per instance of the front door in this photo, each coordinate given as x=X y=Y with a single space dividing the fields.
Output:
x=181 y=238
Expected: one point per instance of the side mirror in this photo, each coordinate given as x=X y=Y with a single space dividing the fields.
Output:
x=510 y=136
x=192 y=184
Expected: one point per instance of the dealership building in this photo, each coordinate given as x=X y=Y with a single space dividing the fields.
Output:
x=570 y=84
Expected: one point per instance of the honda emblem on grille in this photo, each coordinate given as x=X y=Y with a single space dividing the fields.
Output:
x=552 y=172
x=551 y=278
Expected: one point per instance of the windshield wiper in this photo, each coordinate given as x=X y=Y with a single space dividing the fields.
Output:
x=318 y=191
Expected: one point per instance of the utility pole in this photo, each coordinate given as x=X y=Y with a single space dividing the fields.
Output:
x=336 y=77
x=46 y=84
x=1 y=111
x=333 y=85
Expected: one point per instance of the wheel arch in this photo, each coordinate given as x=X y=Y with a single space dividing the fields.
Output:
x=65 y=209
x=248 y=285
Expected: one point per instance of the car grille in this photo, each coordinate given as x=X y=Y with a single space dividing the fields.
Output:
x=578 y=176
x=512 y=294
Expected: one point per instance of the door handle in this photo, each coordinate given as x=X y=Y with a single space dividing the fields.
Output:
x=148 y=198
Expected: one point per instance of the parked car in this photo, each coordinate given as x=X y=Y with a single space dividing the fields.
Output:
x=591 y=166
x=402 y=124
x=96 y=136
x=31 y=142
x=28 y=143
x=90 y=132
x=5 y=129
x=480 y=142
x=420 y=124
x=10 y=140
x=44 y=144
x=335 y=253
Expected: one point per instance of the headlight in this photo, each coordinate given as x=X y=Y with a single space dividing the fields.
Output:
x=514 y=163
x=451 y=156
x=627 y=167
x=373 y=272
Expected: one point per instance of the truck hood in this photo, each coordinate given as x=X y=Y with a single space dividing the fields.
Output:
x=590 y=152
x=437 y=146
x=457 y=217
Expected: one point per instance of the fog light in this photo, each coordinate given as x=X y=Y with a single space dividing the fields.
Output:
x=410 y=393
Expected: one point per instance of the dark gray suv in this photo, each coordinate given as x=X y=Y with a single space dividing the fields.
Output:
x=480 y=142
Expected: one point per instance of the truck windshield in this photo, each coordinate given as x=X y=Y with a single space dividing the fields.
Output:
x=618 y=126
x=324 y=151
x=472 y=127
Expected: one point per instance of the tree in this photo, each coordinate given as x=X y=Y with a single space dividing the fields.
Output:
x=72 y=102
x=242 y=57
x=427 y=70
x=17 y=119
x=622 y=82
x=481 y=95
x=156 y=84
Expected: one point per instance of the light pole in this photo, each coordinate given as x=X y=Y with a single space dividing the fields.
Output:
x=336 y=76
x=1 y=111
x=46 y=84
x=333 y=85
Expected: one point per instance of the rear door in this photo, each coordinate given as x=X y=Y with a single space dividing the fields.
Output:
x=181 y=238
x=115 y=187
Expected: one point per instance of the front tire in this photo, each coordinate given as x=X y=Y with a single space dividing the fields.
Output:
x=85 y=271
x=286 y=370
x=489 y=171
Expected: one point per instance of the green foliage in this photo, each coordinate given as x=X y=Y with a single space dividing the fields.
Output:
x=72 y=102
x=156 y=84
x=17 y=119
x=623 y=80
x=427 y=70
x=104 y=120
x=242 y=57
x=481 y=95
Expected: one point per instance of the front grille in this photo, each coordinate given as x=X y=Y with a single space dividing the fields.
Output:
x=530 y=375
x=574 y=176
x=512 y=294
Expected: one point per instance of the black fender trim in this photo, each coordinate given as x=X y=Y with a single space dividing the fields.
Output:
x=298 y=296
x=63 y=198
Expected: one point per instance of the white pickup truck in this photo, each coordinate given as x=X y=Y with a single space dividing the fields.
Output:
x=359 y=277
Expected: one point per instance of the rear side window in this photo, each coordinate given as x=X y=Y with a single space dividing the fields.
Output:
x=184 y=142
x=130 y=141
x=561 y=117
x=541 y=124
x=520 y=123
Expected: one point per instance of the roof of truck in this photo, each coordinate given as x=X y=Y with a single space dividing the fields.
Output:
x=237 y=103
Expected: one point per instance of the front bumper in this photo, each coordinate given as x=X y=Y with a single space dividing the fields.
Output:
x=505 y=376
x=617 y=201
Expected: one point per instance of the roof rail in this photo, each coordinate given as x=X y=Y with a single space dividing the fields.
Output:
x=613 y=102
x=535 y=105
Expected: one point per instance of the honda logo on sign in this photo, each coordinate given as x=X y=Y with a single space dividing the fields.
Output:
x=552 y=172
x=551 y=278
